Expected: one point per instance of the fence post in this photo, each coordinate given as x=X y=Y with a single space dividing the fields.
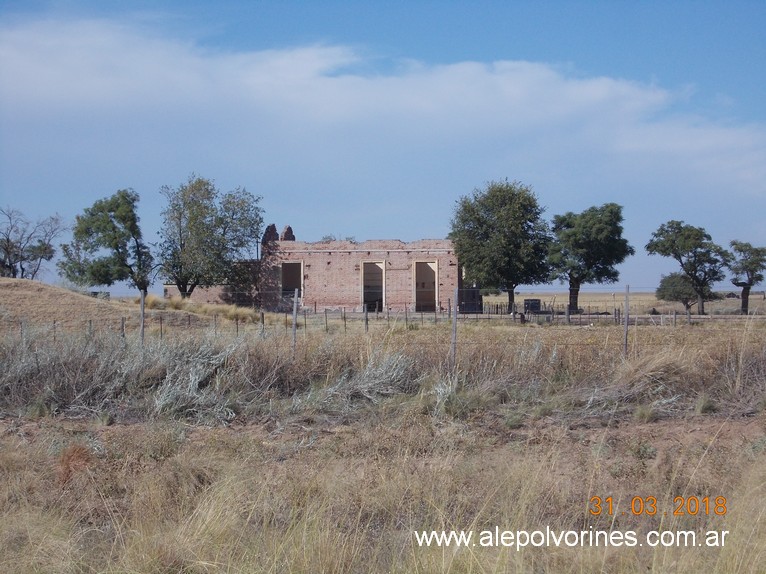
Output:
x=627 y=320
x=453 y=341
x=122 y=326
x=295 y=320
x=326 y=328
x=366 y=322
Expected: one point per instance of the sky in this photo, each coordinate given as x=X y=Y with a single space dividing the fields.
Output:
x=371 y=119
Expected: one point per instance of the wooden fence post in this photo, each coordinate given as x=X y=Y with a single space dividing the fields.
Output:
x=627 y=320
x=453 y=341
x=295 y=320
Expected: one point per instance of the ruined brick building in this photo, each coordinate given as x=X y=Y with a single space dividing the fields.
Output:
x=419 y=276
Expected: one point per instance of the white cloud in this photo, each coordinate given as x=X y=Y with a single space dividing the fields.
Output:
x=97 y=102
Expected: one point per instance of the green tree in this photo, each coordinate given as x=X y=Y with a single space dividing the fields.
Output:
x=747 y=265
x=500 y=237
x=25 y=245
x=678 y=287
x=587 y=247
x=107 y=246
x=205 y=233
x=692 y=247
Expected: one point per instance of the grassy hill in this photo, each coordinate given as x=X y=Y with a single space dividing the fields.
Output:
x=40 y=305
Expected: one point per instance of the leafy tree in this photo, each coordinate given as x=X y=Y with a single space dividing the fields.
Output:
x=204 y=233
x=500 y=237
x=678 y=287
x=747 y=265
x=330 y=237
x=107 y=247
x=25 y=245
x=692 y=247
x=587 y=247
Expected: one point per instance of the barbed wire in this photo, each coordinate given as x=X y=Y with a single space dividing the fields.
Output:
x=353 y=324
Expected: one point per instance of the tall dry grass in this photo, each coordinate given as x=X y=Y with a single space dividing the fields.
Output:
x=246 y=457
x=163 y=498
x=568 y=372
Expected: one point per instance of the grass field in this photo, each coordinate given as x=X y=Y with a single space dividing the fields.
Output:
x=207 y=452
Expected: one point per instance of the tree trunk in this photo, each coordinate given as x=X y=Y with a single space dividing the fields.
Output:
x=511 y=300
x=700 y=304
x=574 y=296
x=185 y=289
x=745 y=295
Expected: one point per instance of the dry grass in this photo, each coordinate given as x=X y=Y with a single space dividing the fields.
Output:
x=313 y=498
x=210 y=453
x=640 y=302
x=36 y=303
x=31 y=305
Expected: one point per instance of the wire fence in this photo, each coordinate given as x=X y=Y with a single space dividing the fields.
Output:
x=161 y=325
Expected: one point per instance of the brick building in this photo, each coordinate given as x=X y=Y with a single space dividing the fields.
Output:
x=381 y=274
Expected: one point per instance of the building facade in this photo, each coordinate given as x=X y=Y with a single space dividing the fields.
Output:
x=420 y=276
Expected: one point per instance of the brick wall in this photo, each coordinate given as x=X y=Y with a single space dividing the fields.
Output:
x=421 y=276
x=341 y=274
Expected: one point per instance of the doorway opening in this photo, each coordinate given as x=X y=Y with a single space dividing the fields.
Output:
x=292 y=279
x=372 y=285
x=425 y=286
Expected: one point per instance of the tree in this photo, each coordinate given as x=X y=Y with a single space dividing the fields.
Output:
x=692 y=247
x=747 y=264
x=500 y=237
x=678 y=287
x=205 y=233
x=331 y=237
x=587 y=247
x=25 y=245
x=107 y=247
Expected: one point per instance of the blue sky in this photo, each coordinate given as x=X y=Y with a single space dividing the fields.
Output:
x=370 y=119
